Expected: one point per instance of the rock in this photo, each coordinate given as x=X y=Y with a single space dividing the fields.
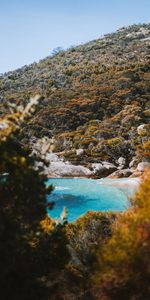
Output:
x=97 y=167
x=121 y=161
x=133 y=163
x=121 y=173
x=142 y=166
x=62 y=169
x=39 y=165
x=52 y=157
x=108 y=165
x=79 y=152
x=141 y=129
x=103 y=169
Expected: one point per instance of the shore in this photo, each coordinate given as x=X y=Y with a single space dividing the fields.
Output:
x=123 y=183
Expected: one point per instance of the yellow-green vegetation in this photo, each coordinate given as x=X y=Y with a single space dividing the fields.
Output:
x=93 y=97
x=108 y=254
x=84 y=235
x=101 y=87
x=22 y=207
x=100 y=256
x=114 y=142
x=78 y=240
x=124 y=262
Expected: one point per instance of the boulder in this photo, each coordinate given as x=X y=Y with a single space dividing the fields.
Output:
x=52 y=157
x=121 y=161
x=133 y=163
x=64 y=169
x=121 y=173
x=103 y=169
x=141 y=129
x=39 y=165
x=108 y=165
x=79 y=152
x=142 y=166
x=97 y=167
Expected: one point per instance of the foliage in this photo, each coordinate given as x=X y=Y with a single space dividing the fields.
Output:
x=22 y=206
x=94 y=96
x=78 y=241
x=124 y=262
x=83 y=236
x=105 y=80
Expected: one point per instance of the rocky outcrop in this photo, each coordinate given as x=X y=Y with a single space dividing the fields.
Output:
x=60 y=168
x=121 y=173
x=103 y=169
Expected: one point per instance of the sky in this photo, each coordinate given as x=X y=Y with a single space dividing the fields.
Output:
x=31 y=29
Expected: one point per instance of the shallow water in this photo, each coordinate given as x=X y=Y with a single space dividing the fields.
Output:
x=80 y=195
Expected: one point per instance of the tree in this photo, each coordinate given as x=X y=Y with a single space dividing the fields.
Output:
x=22 y=207
x=57 y=50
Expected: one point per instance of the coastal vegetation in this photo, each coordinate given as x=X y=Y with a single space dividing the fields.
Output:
x=46 y=260
x=92 y=95
x=124 y=262
x=93 y=108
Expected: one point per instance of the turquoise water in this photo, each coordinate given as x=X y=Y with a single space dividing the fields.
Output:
x=82 y=195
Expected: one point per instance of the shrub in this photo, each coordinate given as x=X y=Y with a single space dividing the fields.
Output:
x=22 y=206
x=124 y=262
x=115 y=141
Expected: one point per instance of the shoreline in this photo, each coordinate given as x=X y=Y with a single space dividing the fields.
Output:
x=120 y=183
x=126 y=182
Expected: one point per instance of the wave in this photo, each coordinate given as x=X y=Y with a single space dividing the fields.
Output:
x=61 y=188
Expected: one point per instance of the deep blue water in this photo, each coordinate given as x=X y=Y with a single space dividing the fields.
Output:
x=81 y=195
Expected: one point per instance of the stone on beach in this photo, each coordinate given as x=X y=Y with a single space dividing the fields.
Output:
x=62 y=169
x=121 y=173
x=103 y=169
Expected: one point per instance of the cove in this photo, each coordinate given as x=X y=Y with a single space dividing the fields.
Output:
x=80 y=195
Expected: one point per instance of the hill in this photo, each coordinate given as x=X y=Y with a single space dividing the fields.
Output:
x=94 y=97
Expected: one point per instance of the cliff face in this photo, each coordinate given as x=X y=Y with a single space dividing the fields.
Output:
x=94 y=97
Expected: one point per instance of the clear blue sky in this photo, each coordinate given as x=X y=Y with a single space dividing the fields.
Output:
x=30 y=29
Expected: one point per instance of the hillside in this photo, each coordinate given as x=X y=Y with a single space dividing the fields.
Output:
x=94 y=97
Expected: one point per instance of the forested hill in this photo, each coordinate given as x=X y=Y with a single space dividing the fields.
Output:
x=94 y=96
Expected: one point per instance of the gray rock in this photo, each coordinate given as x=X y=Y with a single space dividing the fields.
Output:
x=52 y=157
x=64 y=169
x=121 y=173
x=133 y=163
x=103 y=169
x=79 y=152
x=108 y=165
x=140 y=129
x=142 y=166
x=121 y=161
